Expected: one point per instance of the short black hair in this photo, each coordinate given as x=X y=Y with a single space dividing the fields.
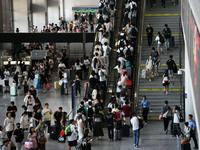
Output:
x=71 y=120
x=90 y=103
x=60 y=108
x=166 y=102
x=190 y=115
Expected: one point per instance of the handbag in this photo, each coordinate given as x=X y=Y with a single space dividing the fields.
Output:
x=48 y=86
x=28 y=144
x=62 y=132
x=160 y=117
x=185 y=141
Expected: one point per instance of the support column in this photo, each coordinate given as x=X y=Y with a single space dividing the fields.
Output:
x=39 y=12
x=53 y=11
x=20 y=11
x=84 y=41
x=1 y=17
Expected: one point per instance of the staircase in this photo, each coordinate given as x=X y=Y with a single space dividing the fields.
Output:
x=154 y=90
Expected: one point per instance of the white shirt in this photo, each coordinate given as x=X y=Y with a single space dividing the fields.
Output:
x=135 y=123
x=65 y=76
x=78 y=67
x=9 y=124
x=86 y=62
x=102 y=77
x=1 y=142
x=73 y=136
x=29 y=106
x=26 y=98
x=104 y=40
x=176 y=117
x=158 y=39
x=118 y=84
x=122 y=60
x=82 y=117
x=25 y=120
x=6 y=75
x=61 y=65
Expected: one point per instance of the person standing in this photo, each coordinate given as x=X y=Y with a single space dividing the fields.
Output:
x=149 y=33
x=166 y=112
x=167 y=35
x=19 y=136
x=77 y=82
x=166 y=82
x=6 y=80
x=32 y=137
x=110 y=124
x=9 y=125
x=72 y=139
x=57 y=118
x=47 y=112
x=80 y=125
x=176 y=121
x=90 y=111
x=98 y=130
x=192 y=126
x=145 y=104
x=136 y=129
x=127 y=112
x=65 y=81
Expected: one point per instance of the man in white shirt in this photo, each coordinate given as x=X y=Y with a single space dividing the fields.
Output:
x=136 y=129
x=122 y=60
x=61 y=65
x=72 y=139
x=176 y=121
x=6 y=80
x=26 y=97
x=9 y=124
x=65 y=81
x=102 y=78
x=104 y=40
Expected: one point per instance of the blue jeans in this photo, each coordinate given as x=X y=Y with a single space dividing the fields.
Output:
x=136 y=136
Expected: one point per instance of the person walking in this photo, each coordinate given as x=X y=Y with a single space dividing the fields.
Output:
x=176 y=121
x=32 y=137
x=9 y=125
x=98 y=130
x=72 y=139
x=77 y=82
x=166 y=112
x=145 y=104
x=192 y=126
x=149 y=33
x=110 y=124
x=170 y=64
x=80 y=125
x=57 y=118
x=6 y=80
x=165 y=82
x=167 y=35
x=19 y=136
x=47 y=112
x=149 y=66
x=136 y=130
x=160 y=41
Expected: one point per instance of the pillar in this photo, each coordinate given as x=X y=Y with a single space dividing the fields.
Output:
x=53 y=11
x=20 y=11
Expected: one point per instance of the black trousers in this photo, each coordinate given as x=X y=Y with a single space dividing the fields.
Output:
x=90 y=122
x=110 y=132
x=163 y=2
x=153 y=2
x=9 y=134
x=166 y=123
x=145 y=113
x=176 y=129
x=77 y=89
x=48 y=123
x=57 y=124
x=149 y=38
x=193 y=136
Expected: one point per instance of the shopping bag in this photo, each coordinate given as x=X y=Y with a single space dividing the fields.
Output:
x=160 y=117
x=62 y=132
x=28 y=145
x=48 y=86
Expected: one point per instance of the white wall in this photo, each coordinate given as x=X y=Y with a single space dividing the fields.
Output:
x=38 y=9
x=53 y=11
x=77 y=3
x=20 y=11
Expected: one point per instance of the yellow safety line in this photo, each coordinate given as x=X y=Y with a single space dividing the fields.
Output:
x=158 y=89
x=149 y=15
x=163 y=64
x=175 y=34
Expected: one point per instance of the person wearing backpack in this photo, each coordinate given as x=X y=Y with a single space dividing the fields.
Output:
x=71 y=133
x=136 y=129
x=170 y=64
x=132 y=33
x=160 y=41
x=110 y=125
x=83 y=109
x=90 y=110
x=167 y=35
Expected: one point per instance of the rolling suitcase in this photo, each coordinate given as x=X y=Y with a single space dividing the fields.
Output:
x=117 y=135
x=171 y=41
x=53 y=134
x=62 y=89
x=56 y=85
x=125 y=130
x=26 y=88
x=13 y=91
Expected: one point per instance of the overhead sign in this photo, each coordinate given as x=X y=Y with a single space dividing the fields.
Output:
x=85 y=8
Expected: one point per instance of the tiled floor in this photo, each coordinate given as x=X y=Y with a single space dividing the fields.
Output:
x=152 y=136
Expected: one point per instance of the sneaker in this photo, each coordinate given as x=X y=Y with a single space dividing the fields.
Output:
x=134 y=144
x=195 y=147
x=149 y=79
x=167 y=93
x=137 y=146
x=5 y=91
x=166 y=132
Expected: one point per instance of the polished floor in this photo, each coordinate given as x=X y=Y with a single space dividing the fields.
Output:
x=152 y=136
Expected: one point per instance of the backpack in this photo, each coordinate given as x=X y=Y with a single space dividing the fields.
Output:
x=82 y=110
x=121 y=43
x=90 y=112
x=101 y=5
x=133 y=31
x=167 y=32
x=161 y=39
x=68 y=130
x=141 y=124
x=128 y=52
x=108 y=51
